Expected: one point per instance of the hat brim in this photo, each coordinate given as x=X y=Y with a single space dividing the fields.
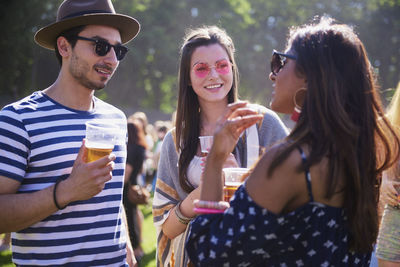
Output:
x=127 y=26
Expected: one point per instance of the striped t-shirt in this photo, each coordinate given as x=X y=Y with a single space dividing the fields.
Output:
x=39 y=142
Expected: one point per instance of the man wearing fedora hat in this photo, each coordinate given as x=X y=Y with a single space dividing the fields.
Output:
x=61 y=209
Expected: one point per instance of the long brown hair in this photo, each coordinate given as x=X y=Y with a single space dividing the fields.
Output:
x=136 y=133
x=342 y=119
x=188 y=110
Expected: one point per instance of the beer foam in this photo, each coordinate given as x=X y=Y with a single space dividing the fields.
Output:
x=234 y=184
x=100 y=145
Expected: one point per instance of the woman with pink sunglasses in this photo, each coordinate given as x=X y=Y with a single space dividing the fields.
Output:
x=208 y=82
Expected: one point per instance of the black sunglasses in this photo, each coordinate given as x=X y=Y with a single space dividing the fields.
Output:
x=103 y=47
x=278 y=59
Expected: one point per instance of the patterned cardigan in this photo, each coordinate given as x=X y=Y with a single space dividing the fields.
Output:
x=169 y=192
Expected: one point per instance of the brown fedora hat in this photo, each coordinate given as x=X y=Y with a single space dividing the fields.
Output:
x=72 y=13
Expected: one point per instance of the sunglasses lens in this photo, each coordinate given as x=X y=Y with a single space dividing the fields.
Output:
x=120 y=51
x=223 y=67
x=201 y=70
x=276 y=63
x=102 y=48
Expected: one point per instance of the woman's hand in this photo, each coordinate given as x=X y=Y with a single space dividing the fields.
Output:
x=230 y=126
x=237 y=118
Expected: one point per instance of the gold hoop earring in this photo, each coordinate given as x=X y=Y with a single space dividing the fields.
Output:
x=297 y=108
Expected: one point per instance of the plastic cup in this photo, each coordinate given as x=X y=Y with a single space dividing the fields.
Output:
x=206 y=142
x=100 y=139
x=234 y=177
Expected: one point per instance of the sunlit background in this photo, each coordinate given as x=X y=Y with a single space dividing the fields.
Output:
x=147 y=77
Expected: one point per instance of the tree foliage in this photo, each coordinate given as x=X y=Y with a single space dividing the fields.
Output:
x=147 y=77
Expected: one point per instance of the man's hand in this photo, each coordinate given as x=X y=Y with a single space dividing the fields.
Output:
x=130 y=256
x=86 y=179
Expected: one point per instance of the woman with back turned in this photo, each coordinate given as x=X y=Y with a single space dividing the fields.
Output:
x=311 y=200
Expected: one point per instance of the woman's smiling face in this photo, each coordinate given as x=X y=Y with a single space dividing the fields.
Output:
x=214 y=86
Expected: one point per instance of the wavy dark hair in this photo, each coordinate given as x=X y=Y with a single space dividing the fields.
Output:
x=342 y=119
x=188 y=110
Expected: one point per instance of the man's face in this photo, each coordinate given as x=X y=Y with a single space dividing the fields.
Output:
x=86 y=66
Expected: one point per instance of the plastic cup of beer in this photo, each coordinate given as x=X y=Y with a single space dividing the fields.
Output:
x=206 y=142
x=234 y=177
x=100 y=139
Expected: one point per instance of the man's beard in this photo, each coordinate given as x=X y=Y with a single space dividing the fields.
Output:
x=79 y=69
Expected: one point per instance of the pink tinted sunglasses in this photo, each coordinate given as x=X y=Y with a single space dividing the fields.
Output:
x=222 y=66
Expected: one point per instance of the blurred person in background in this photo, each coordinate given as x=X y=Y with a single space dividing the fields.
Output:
x=142 y=117
x=5 y=242
x=388 y=244
x=135 y=194
x=148 y=129
x=162 y=127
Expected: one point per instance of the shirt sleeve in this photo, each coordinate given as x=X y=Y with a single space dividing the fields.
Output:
x=14 y=145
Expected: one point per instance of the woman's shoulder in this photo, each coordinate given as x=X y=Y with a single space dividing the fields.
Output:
x=169 y=140
x=292 y=157
x=275 y=183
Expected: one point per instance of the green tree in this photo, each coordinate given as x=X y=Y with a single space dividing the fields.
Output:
x=19 y=20
x=147 y=78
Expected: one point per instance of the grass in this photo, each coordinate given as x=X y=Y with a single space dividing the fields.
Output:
x=5 y=259
x=148 y=245
x=148 y=238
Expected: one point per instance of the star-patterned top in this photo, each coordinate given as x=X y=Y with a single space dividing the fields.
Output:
x=249 y=235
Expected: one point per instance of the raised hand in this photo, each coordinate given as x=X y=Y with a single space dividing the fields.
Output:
x=230 y=126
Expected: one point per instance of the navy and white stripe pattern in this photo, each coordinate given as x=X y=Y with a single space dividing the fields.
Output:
x=39 y=142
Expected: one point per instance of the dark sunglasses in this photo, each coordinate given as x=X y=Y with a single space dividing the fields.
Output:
x=103 y=47
x=278 y=60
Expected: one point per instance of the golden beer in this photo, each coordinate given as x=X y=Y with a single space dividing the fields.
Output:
x=230 y=189
x=96 y=152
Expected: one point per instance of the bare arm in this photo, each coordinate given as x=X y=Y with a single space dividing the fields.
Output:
x=86 y=180
x=22 y=210
x=128 y=172
x=172 y=227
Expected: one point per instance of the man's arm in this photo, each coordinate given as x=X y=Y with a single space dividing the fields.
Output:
x=130 y=256
x=19 y=211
